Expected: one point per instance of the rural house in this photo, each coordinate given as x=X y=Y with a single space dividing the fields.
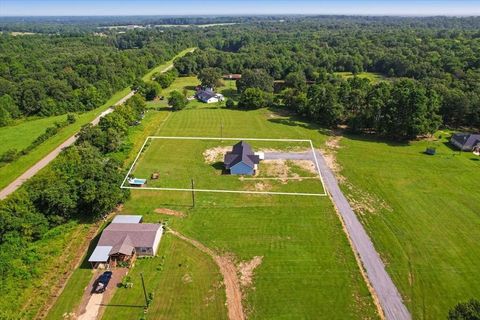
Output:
x=209 y=96
x=242 y=159
x=124 y=239
x=465 y=141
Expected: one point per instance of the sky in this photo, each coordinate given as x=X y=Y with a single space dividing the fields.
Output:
x=237 y=7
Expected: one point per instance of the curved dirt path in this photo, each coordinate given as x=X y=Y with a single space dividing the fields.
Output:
x=230 y=277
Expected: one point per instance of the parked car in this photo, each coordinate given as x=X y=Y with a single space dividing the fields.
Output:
x=102 y=282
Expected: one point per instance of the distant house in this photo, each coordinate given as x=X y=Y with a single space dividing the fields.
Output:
x=209 y=96
x=242 y=159
x=232 y=76
x=125 y=239
x=465 y=141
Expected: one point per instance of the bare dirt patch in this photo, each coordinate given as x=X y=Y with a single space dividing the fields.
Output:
x=275 y=168
x=262 y=186
x=187 y=278
x=306 y=165
x=170 y=212
x=246 y=269
x=216 y=154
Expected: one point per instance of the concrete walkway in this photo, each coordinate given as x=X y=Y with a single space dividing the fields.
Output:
x=384 y=289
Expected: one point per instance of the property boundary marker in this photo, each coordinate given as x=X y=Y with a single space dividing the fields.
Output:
x=123 y=186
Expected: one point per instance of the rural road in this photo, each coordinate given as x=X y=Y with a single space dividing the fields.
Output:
x=385 y=290
x=15 y=184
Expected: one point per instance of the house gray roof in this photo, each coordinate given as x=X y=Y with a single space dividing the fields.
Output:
x=124 y=246
x=465 y=141
x=127 y=219
x=241 y=152
x=139 y=234
x=206 y=94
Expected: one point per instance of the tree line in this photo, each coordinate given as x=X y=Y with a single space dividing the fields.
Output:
x=81 y=184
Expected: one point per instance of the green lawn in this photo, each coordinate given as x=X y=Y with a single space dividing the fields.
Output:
x=179 y=161
x=372 y=76
x=20 y=135
x=427 y=229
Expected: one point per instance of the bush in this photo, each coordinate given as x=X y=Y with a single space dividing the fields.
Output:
x=230 y=104
x=466 y=311
x=9 y=155
x=71 y=118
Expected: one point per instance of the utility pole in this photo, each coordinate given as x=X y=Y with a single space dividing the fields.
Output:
x=144 y=290
x=193 y=193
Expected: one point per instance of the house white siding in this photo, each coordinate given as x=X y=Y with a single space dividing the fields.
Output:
x=157 y=240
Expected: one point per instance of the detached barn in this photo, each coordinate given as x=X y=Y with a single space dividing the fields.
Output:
x=242 y=159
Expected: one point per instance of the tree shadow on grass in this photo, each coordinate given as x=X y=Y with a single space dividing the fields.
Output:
x=230 y=93
x=193 y=88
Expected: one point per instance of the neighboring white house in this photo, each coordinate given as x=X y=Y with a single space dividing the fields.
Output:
x=209 y=96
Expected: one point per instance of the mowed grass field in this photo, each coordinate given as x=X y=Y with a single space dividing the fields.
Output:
x=423 y=214
x=177 y=161
x=308 y=269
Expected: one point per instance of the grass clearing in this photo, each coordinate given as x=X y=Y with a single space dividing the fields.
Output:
x=372 y=76
x=426 y=226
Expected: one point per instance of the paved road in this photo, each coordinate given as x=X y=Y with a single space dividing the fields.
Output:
x=388 y=296
x=52 y=155
x=12 y=187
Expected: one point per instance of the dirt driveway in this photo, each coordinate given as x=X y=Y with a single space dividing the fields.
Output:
x=93 y=304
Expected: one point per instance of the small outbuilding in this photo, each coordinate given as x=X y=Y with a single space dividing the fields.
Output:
x=242 y=159
x=465 y=141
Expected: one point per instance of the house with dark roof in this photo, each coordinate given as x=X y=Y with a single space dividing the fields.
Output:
x=242 y=159
x=125 y=239
x=207 y=95
x=465 y=141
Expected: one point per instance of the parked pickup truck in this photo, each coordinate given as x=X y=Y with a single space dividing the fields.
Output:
x=102 y=282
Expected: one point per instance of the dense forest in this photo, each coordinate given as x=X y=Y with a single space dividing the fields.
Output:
x=430 y=69
x=428 y=76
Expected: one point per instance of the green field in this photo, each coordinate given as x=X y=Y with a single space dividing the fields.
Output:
x=20 y=135
x=308 y=266
x=372 y=76
x=423 y=214
x=179 y=161
x=148 y=76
